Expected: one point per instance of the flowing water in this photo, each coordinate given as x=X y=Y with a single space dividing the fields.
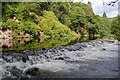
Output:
x=20 y=56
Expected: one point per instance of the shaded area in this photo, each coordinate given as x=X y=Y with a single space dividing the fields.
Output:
x=19 y=45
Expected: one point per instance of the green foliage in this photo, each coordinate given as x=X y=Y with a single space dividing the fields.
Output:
x=29 y=27
x=62 y=11
x=12 y=24
x=57 y=19
x=77 y=17
x=20 y=10
x=106 y=27
x=51 y=26
x=116 y=27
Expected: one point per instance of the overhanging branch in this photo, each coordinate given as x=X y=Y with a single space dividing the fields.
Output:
x=111 y=3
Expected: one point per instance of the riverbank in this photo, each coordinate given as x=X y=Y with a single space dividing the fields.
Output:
x=95 y=59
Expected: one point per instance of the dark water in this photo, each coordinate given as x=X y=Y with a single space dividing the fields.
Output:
x=19 y=45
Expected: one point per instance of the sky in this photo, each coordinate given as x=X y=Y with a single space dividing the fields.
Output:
x=99 y=8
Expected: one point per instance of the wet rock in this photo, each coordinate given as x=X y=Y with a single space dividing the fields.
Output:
x=52 y=50
x=62 y=50
x=59 y=47
x=43 y=73
x=47 y=57
x=43 y=49
x=72 y=48
x=95 y=43
x=79 y=45
x=25 y=58
x=4 y=73
x=109 y=41
x=59 y=58
x=83 y=44
x=32 y=71
x=16 y=72
x=14 y=57
x=103 y=49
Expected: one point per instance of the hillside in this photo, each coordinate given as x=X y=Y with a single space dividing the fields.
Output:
x=55 y=19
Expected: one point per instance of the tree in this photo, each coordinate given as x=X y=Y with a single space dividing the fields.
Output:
x=116 y=27
x=51 y=26
x=104 y=15
x=56 y=18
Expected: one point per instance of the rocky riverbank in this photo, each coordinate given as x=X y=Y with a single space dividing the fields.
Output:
x=95 y=59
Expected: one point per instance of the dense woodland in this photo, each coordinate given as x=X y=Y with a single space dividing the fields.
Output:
x=58 y=19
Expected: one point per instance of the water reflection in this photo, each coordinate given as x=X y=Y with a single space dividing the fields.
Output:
x=27 y=43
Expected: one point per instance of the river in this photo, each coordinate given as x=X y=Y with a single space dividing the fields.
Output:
x=62 y=58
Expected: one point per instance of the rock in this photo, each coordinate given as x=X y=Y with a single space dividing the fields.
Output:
x=59 y=58
x=96 y=44
x=73 y=48
x=16 y=72
x=47 y=57
x=109 y=41
x=52 y=50
x=83 y=44
x=4 y=73
x=43 y=49
x=78 y=45
x=62 y=50
x=32 y=71
x=25 y=58
x=103 y=49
